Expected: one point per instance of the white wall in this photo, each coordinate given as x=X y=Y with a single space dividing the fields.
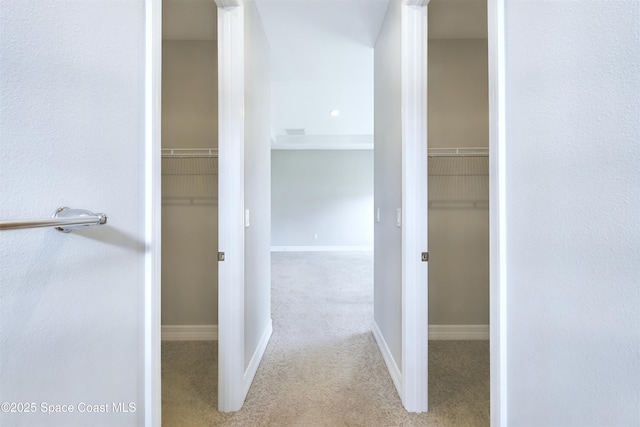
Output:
x=458 y=237
x=72 y=117
x=572 y=90
x=323 y=192
x=257 y=180
x=388 y=182
x=189 y=232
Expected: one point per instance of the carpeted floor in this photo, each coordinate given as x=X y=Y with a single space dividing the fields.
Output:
x=322 y=366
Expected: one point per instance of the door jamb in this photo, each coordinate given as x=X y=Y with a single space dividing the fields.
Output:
x=231 y=384
x=150 y=365
x=415 y=322
x=497 y=194
x=497 y=212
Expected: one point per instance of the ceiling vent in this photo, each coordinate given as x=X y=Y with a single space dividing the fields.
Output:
x=296 y=132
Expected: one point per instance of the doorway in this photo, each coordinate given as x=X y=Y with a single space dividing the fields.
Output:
x=322 y=203
x=322 y=193
x=189 y=315
x=189 y=170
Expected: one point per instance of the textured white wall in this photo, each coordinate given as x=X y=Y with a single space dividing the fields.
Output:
x=257 y=182
x=72 y=119
x=573 y=197
x=326 y=192
x=388 y=182
x=189 y=232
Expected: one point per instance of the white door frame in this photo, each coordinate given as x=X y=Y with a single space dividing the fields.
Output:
x=415 y=321
x=152 y=211
x=232 y=384
x=415 y=335
x=497 y=190
x=497 y=214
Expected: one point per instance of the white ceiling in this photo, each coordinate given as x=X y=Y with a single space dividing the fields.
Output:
x=322 y=55
x=322 y=60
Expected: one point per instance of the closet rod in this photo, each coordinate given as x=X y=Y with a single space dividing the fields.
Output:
x=458 y=152
x=177 y=153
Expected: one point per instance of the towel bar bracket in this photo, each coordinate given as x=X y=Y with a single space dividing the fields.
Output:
x=92 y=218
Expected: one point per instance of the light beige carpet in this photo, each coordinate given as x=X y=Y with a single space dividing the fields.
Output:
x=322 y=366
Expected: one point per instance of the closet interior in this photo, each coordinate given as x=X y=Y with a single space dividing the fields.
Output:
x=189 y=179
x=458 y=169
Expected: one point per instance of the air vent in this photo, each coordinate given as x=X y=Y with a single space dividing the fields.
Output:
x=297 y=132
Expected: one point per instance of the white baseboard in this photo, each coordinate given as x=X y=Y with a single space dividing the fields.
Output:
x=251 y=370
x=189 y=332
x=321 y=248
x=394 y=371
x=458 y=332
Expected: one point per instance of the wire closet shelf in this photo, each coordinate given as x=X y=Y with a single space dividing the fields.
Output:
x=189 y=176
x=458 y=178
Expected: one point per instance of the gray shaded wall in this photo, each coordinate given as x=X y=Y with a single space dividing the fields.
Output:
x=190 y=93
x=388 y=182
x=257 y=182
x=458 y=116
x=189 y=232
x=328 y=193
x=189 y=265
x=458 y=93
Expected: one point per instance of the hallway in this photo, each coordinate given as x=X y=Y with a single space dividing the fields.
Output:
x=322 y=366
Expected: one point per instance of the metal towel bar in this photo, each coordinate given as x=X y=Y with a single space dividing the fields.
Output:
x=64 y=219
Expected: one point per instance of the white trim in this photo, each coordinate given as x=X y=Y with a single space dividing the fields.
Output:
x=414 y=208
x=228 y=4
x=392 y=366
x=365 y=248
x=152 y=216
x=252 y=368
x=458 y=332
x=323 y=142
x=497 y=214
x=189 y=332
x=327 y=146
x=231 y=206
x=417 y=3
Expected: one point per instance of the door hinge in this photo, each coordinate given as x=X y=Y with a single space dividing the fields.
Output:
x=220 y=256
x=425 y=256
